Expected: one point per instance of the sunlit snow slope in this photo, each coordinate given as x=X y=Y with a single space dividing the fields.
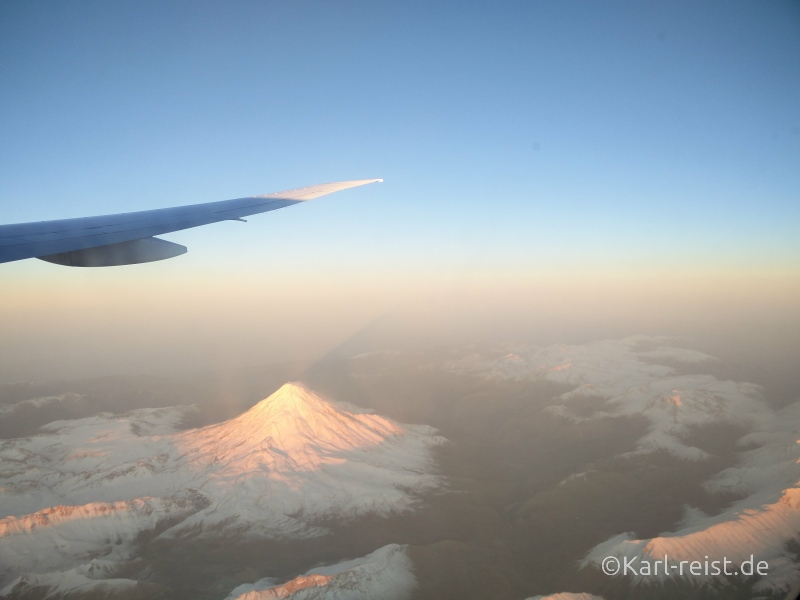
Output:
x=87 y=487
x=385 y=573
x=567 y=596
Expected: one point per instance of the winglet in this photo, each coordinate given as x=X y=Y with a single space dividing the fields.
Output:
x=315 y=191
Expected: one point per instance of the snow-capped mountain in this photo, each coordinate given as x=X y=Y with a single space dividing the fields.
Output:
x=760 y=524
x=567 y=596
x=632 y=382
x=93 y=579
x=87 y=487
x=385 y=573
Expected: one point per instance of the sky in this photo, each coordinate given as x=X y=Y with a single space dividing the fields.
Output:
x=589 y=158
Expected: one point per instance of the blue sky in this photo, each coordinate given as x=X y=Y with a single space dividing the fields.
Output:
x=511 y=135
x=583 y=167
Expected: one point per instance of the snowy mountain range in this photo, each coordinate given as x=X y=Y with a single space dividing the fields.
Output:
x=631 y=379
x=75 y=497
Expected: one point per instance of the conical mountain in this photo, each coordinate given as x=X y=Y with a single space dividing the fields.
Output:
x=293 y=429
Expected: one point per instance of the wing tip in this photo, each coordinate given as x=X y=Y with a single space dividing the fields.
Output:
x=315 y=191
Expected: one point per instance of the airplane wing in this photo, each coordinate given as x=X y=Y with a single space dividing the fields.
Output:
x=127 y=238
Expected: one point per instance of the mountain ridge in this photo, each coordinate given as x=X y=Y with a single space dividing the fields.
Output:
x=272 y=472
